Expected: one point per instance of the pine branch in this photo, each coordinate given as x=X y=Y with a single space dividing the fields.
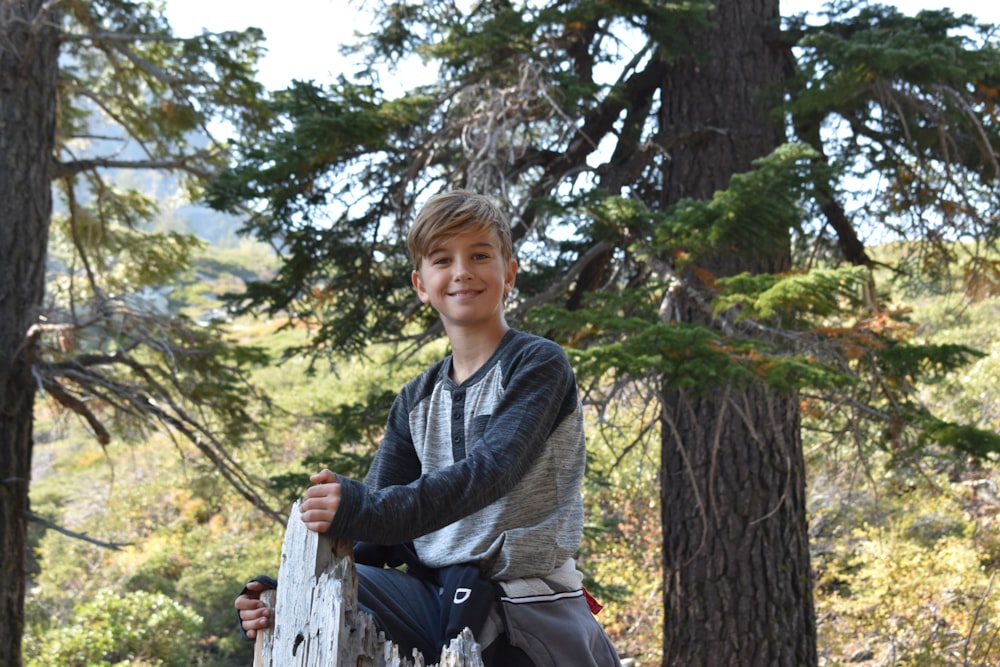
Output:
x=123 y=123
x=107 y=36
x=63 y=169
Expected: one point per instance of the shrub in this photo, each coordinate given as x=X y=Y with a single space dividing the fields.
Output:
x=139 y=628
x=911 y=591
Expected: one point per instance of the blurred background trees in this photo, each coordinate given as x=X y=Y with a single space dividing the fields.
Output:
x=768 y=245
x=92 y=91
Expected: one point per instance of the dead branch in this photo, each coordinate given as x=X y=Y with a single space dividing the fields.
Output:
x=117 y=546
x=71 y=402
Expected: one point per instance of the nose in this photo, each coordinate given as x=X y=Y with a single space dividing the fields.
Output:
x=460 y=271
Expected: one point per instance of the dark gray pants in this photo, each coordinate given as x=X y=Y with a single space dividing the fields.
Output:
x=426 y=613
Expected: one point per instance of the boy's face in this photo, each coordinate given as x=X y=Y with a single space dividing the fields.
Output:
x=465 y=278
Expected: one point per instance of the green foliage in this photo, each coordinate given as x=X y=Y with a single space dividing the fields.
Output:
x=351 y=432
x=927 y=363
x=791 y=300
x=751 y=218
x=962 y=437
x=188 y=538
x=493 y=39
x=346 y=275
x=906 y=543
x=346 y=417
x=967 y=395
x=340 y=123
x=132 y=97
x=154 y=86
x=126 y=259
x=689 y=356
x=137 y=628
x=624 y=332
x=918 y=95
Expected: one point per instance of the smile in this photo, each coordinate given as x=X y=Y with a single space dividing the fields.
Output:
x=463 y=294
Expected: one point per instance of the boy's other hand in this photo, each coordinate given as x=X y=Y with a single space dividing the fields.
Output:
x=254 y=614
x=321 y=501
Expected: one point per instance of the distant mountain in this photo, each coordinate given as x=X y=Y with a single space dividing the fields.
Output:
x=217 y=229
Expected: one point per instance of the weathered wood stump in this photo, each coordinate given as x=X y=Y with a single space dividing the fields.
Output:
x=316 y=620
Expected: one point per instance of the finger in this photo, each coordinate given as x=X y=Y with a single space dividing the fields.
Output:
x=326 y=506
x=322 y=497
x=251 y=609
x=252 y=614
x=318 y=522
x=312 y=506
x=251 y=627
x=255 y=585
x=324 y=476
x=314 y=492
x=248 y=602
x=317 y=516
x=318 y=526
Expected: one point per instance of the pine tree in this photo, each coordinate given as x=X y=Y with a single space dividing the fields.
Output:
x=87 y=90
x=681 y=214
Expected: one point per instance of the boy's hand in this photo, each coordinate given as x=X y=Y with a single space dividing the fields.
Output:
x=321 y=501
x=254 y=614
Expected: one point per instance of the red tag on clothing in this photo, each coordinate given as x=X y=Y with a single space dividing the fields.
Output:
x=595 y=606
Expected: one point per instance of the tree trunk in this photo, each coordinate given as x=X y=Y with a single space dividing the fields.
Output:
x=737 y=578
x=28 y=79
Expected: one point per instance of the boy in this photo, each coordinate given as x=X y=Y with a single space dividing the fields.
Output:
x=476 y=485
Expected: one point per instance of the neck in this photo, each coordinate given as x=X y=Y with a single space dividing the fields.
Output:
x=471 y=349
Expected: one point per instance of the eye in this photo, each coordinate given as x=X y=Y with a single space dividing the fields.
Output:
x=439 y=261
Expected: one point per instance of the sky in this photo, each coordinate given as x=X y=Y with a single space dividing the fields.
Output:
x=304 y=36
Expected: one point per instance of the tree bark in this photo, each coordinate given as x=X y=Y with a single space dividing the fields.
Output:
x=737 y=578
x=28 y=79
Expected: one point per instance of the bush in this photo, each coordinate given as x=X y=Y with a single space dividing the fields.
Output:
x=138 y=628
x=911 y=591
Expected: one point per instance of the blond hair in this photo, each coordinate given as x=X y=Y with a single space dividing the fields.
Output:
x=451 y=213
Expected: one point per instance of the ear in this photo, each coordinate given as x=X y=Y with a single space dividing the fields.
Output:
x=510 y=276
x=418 y=285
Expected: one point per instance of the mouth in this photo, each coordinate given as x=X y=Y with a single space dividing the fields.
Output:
x=464 y=294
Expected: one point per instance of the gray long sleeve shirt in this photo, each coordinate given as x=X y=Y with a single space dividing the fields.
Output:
x=485 y=472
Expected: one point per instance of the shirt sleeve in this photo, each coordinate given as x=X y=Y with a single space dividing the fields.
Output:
x=398 y=504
